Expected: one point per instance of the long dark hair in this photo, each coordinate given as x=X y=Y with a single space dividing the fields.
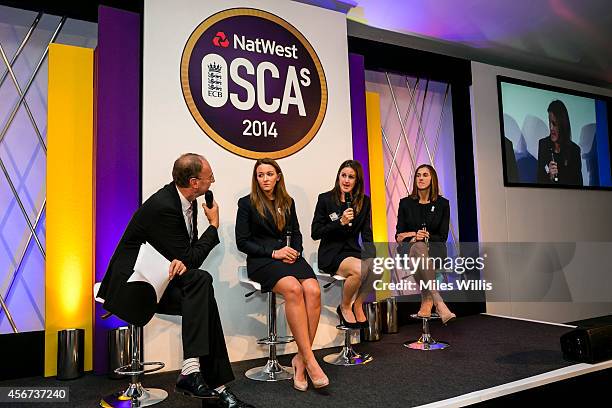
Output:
x=434 y=187
x=357 y=193
x=558 y=109
x=282 y=200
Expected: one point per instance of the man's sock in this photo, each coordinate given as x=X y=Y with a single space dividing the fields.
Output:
x=220 y=389
x=190 y=366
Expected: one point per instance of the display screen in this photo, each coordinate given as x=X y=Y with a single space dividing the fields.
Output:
x=553 y=137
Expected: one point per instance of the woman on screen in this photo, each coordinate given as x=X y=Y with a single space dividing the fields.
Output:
x=422 y=222
x=267 y=230
x=342 y=216
x=559 y=160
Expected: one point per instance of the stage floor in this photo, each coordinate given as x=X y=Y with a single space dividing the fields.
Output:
x=488 y=357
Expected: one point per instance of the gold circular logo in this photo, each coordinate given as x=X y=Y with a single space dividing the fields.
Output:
x=253 y=83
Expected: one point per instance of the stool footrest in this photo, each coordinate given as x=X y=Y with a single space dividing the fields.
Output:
x=342 y=327
x=432 y=317
x=279 y=340
x=125 y=370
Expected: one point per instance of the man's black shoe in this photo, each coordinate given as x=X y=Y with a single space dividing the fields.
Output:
x=194 y=385
x=227 y=399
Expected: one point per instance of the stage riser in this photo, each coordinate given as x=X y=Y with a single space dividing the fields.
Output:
x=22 y=355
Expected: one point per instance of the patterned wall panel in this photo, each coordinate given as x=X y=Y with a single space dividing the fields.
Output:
x=417 y=128
x=24 y=39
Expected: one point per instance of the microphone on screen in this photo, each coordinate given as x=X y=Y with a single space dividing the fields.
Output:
x=552 y=157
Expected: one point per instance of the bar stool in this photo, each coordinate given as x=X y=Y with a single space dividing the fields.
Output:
x=426 y=342
x=272 y=370
x=347 y=356
x=135 y=395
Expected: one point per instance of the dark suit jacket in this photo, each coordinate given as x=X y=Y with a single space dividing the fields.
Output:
x=436 y=220
x=335 y=237
x=160 y=222
x=258 y=236
x=568 y=161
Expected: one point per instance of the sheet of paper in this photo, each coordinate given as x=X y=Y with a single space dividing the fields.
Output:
x=151 y=267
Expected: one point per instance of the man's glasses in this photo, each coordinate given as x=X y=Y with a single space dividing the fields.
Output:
x=211 y=179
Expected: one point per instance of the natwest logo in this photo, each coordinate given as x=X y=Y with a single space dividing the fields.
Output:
x=220 y=40
x=256 y=95
x=263 y=46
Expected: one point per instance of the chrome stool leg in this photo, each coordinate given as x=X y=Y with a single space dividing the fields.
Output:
x=347 y=356
x=426 y=342
x=135 y=395
x=272 y=370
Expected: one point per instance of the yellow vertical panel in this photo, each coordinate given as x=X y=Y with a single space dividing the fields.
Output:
x=377 y=181
x=69 y=223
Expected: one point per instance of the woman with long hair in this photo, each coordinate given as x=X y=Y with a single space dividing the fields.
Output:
x=559 y=159
x=342 y=216
x=267 y=230
x=422 y=222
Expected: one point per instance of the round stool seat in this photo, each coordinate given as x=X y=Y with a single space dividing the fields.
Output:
x=426 y=342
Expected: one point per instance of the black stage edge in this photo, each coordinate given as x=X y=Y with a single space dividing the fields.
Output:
x=587 y=389
x=22 y=355
x=484 y=352
x=593 y=322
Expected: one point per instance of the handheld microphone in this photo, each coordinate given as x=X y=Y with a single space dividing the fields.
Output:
x=348 y=199
x=208 y=197
x=288 y=238
x=424 y=227
x=552 y=156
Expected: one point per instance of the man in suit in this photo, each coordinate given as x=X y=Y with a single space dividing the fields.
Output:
x=168 y=221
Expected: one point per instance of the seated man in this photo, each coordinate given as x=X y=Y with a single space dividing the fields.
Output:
x=168 y=221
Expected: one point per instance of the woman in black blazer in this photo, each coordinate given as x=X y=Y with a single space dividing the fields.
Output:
x=267 y=230
x=559 y=159
x=422 y=222
x=343 y=215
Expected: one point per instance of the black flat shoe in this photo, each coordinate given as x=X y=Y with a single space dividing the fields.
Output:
x=228 y=399
x=343 y=321
x=362 y=325
x=193 y=385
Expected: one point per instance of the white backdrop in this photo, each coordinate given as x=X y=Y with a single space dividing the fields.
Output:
x=522 y=214
x=169 y=130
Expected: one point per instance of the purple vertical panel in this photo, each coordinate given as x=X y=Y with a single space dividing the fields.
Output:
x=359 y=123
x=358 y=115
x=117 y=141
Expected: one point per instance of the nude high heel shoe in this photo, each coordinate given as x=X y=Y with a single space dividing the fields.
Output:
x=426 y=305
x=298 y=385
x=445 y=314
x=318 y=382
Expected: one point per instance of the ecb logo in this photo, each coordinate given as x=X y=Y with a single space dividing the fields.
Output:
x=253 y=83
